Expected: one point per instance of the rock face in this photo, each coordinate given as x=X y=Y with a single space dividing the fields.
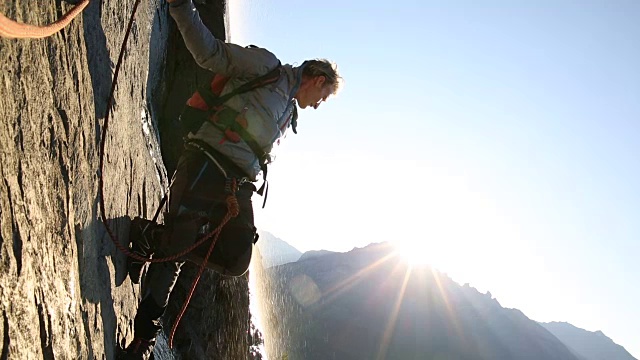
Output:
x=63 y=288
x=586 y=344
x=64 y=293
x=368 y=304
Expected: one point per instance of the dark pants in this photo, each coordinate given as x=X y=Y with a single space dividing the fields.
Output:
x=197 y=204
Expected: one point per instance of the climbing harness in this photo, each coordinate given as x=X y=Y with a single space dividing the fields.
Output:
x=14 y=30
x=207 y=105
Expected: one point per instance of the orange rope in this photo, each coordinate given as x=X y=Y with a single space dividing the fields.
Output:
x=103 y=140
x=232 y=202
x=177 y=256
x=234 y=209
x=14 y=30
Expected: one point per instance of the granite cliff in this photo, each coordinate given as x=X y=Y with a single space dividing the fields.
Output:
x=64 y=293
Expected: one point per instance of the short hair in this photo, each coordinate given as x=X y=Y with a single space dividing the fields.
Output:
x=326 y=68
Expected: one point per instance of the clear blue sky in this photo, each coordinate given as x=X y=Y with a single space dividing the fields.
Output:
x=498 y=138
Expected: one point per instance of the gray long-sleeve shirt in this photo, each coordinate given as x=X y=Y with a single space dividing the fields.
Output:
x=269 y=109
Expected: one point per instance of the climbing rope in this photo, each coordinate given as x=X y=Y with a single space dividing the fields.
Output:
x=14 y=30
x=103 y=137
x=232 y=202
x=234 y=209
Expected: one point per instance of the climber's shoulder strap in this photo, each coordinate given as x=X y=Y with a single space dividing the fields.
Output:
x=210 y=93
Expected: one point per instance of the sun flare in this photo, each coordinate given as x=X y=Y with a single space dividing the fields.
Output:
x=414 y=253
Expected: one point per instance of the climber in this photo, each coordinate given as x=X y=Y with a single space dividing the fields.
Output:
x=232 y=126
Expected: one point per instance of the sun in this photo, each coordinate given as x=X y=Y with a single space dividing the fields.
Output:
x=415 y=253
x=439 y=255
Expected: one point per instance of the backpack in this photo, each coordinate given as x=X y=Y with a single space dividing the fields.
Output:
x=206 y=104
x=206 y=101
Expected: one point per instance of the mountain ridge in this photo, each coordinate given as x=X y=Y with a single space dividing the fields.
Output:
x=275 y=251
x=588 y=345
x=320 y=292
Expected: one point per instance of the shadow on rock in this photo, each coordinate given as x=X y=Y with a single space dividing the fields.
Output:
x=156 y=88
x=98 y=60
x=98 y=257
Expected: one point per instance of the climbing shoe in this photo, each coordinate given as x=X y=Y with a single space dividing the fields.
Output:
x=141 y=243
x=139 y=349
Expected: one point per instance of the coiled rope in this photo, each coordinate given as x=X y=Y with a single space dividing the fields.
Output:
x=14 y=30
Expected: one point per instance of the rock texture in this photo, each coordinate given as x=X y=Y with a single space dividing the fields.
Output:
x=64 y=293
x=63 y=290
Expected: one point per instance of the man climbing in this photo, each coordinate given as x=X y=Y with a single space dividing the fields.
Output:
x=232 y=127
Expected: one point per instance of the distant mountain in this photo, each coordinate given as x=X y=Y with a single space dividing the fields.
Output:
x=314 y=253
x=586 y=344
x=368 y=304
x=275 y=251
